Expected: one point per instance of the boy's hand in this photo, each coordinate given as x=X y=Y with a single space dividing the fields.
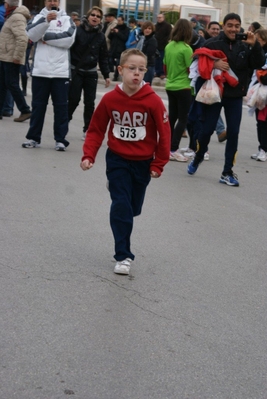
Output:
x=86 y=164
x=154 y=174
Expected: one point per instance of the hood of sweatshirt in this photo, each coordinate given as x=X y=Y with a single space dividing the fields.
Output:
x=144 y=91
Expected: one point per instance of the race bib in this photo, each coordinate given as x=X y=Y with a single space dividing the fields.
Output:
x=129 y=133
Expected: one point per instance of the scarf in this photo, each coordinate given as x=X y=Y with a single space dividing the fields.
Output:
x=10 y=11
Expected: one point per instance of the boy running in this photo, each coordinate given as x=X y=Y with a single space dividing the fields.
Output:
x=138 y=147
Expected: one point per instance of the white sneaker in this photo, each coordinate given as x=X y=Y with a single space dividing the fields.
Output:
x=262 y=156
x=60 y=147
x=123 y=267
x=177 y=156
x=184 y=149
x=189 y=153
x=255 y=156
x=206 y=156
x=30 y=144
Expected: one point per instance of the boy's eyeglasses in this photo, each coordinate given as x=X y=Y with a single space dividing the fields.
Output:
x=133 y=68
x=95 y=15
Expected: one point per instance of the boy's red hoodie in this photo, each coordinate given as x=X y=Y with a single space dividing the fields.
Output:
x=144 y=110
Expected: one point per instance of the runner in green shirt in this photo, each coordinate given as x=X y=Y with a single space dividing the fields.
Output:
x=177 y=59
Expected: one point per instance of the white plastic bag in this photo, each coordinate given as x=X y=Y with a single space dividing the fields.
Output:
x=252 y=95
x=262 y=97
x=209 y=92
x=257 y=96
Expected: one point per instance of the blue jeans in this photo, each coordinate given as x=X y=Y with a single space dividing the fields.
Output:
x=128 y=181
x=41 y=90
x=9 y=80
x=8 y=107
x=233 y=114
x=220 y=126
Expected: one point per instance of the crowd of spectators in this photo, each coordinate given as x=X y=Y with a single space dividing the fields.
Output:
x=96 y=41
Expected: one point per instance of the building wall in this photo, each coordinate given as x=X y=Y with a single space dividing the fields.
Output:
x=252 y=10
x=80 y=6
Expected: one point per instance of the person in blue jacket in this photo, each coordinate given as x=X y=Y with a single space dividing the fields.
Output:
x=133 y=37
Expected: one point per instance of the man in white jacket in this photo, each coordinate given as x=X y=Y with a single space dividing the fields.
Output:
x=53 y=31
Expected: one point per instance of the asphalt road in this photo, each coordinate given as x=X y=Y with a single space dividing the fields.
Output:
x=189 y=322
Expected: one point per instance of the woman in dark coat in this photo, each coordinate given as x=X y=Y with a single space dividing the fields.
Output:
x=149 y=47
x=88 y=51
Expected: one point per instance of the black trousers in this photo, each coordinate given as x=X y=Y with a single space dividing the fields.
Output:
x=86 y=82
x=179 y=106
x=262 y=132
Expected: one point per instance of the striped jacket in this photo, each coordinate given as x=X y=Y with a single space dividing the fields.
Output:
x=53 y=40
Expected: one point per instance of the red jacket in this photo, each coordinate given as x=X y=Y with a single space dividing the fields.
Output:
x=206 y=58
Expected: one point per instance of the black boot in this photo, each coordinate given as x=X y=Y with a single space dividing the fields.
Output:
x=24 y=84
